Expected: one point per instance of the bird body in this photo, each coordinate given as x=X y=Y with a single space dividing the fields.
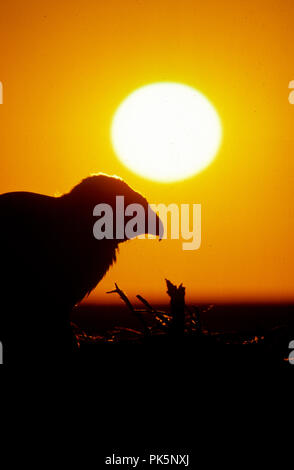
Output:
x=50 y=261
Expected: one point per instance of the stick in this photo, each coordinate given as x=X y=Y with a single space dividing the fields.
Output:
x=123 y=296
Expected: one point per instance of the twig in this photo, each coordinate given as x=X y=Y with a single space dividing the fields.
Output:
x=137 y=314
x=146 y=303
x=122 y=295
x=177 y=307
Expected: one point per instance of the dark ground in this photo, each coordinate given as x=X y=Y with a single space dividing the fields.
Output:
x=246 y=318
x=235 y=335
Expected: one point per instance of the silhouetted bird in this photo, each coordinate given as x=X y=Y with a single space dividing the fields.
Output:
x=50 y=261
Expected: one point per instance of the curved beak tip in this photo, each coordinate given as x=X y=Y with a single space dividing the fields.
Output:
x=157 y=227
x=160 y=230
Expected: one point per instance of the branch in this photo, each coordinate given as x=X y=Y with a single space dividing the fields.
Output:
x=146 y=303
x=123 y=296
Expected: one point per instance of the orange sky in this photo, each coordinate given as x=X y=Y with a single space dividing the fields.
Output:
x=66 y=66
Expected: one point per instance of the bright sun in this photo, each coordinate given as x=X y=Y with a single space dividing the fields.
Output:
x=166 y=131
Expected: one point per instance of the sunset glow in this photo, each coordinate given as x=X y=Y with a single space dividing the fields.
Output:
x=67 y=67
x=166 y=132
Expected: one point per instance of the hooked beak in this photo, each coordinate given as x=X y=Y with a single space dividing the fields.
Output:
x=155 y=225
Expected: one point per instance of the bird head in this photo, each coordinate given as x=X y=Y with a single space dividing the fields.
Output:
x=131 y=212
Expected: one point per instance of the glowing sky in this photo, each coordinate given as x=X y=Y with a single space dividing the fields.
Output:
x=166 y=131
x=66 y=67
